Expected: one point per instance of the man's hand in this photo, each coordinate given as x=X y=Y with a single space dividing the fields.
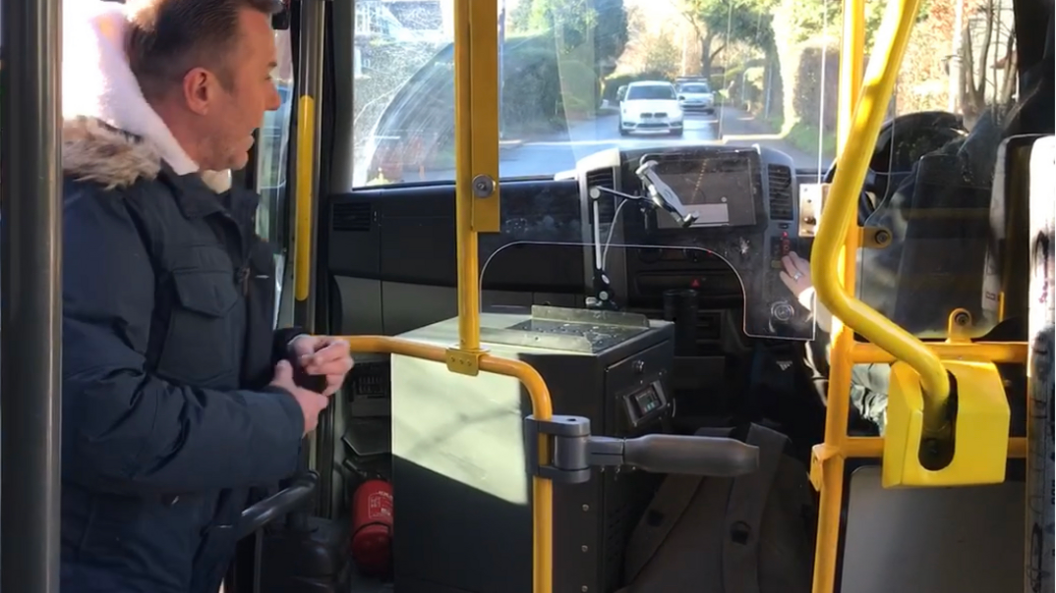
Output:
x=311 y=402
x=323 y=355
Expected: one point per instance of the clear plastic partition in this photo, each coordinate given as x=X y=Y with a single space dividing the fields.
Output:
x=935 y=256
x=550 y=253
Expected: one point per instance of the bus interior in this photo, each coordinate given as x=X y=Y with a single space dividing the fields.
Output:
x=645 y=279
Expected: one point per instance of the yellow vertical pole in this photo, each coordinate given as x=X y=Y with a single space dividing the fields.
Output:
x=476 y=162
x=828 y=460
x=852 y=64
x=835 y=284
x=477 y=211
x=466 y=239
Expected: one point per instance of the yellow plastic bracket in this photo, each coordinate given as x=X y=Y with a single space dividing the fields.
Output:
x=979 y=428
x=464 y=362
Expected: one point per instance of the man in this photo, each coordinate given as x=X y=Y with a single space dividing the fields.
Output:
x=173 y=404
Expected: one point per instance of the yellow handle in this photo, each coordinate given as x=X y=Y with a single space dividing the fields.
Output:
x=838 y=216
x=542 y=409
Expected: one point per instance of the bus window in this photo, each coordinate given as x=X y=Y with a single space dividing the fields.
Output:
x=562 y=67
x=771 y=68
x=273 y=144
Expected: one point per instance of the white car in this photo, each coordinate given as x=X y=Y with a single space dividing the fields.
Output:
x=696 y=96
x=650 y=107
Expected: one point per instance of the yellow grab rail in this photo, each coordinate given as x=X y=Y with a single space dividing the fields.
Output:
x=838 y=216
x=476 y=163
x=852 y=58
x=833 y=268
x=302 y=242
x=539 y=395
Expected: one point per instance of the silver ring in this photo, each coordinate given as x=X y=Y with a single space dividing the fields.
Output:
x=797 y=276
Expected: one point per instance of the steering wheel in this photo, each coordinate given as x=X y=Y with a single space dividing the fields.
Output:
x=896 y=153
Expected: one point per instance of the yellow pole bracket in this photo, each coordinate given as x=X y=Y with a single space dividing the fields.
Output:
x=975 y=450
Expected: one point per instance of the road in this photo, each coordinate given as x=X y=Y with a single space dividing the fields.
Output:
x=559 y=152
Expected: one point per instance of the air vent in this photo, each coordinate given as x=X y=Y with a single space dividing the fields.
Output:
x=607 y=204
x=352 y=217
x=780 y=192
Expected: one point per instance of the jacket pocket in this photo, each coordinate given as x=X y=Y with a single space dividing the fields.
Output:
x=204 y=331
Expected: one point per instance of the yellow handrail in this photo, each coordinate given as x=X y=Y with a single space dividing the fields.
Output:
x=476 y=162
x=539 y=395
x=477 y=211
x=302 y=241
x=852 y=59
x=838 y=216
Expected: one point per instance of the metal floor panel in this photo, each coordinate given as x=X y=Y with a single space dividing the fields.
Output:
x=933 y=540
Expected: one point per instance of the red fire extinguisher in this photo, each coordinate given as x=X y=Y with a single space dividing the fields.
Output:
x=372 y=527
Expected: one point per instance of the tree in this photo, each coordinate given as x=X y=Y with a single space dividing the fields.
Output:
x=660 y=55
x=978 y=72
x=574 y=23
x=717 y=23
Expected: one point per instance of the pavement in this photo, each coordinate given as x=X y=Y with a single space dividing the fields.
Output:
x=550 y=154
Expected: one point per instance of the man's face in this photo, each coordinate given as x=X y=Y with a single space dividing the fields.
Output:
x=239 y=109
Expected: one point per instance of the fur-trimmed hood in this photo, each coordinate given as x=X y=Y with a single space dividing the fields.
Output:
x=110 y=134
x=93 y=150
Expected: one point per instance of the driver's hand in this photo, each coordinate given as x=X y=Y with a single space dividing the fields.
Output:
x=796 y=277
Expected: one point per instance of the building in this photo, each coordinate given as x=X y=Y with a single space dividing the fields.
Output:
x=381 y=22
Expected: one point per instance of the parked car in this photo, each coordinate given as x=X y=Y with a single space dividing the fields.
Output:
x=650 y=106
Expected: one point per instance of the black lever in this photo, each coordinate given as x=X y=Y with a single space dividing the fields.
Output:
x=576 y=451
x=677 y=454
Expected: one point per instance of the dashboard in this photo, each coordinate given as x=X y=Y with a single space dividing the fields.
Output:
x=391 y=252
x=735 y=205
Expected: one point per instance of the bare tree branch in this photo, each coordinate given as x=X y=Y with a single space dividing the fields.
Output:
x=1010 y=66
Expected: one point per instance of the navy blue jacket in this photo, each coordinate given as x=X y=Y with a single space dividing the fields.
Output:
x=168 y=349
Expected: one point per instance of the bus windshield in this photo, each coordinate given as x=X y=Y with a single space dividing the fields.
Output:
x=772 y=67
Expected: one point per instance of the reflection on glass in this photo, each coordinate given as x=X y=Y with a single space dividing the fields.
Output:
x=650 y=92
x=273 y=138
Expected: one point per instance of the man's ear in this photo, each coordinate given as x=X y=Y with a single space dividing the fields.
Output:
x=198 y=90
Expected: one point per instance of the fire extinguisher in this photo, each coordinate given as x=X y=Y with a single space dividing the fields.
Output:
x=372 y=527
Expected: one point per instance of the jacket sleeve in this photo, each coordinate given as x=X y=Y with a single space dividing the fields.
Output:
x=281 y=346
x=124 y=429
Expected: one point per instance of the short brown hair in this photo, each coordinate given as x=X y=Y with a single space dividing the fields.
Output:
x=169 y=37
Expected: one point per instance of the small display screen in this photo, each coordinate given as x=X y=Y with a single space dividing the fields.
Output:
x=719 y=188
x=648 y=401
